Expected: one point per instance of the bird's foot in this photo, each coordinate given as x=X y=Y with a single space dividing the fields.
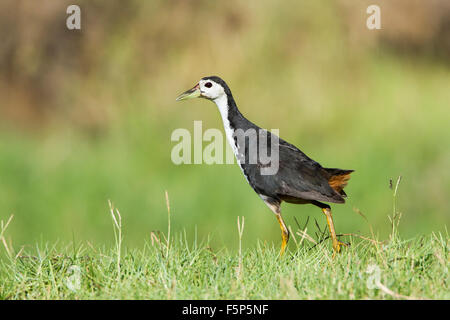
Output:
x=337 y=246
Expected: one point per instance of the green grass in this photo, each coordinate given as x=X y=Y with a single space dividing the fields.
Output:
x=171 y=267
x=99 y=128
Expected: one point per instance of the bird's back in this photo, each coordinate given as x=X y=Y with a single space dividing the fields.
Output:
x=299 y=179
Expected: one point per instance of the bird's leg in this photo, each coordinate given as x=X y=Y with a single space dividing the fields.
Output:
x=336 y=243
x=274 y=206
x=284 y=233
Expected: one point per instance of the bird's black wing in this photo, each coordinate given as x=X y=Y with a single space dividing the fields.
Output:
x=303 y=177
x=298 y=178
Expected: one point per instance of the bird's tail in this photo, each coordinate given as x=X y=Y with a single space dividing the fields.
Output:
x=338 y=179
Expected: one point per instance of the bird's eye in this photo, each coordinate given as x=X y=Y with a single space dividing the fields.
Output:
x=208 y=84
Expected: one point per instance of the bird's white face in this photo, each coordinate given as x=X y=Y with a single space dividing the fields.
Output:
x=205 y=88
x=210 y=89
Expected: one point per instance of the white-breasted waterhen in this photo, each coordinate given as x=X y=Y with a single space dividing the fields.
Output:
x=299 y=179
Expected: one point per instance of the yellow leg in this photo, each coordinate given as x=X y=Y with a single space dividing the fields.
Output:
x=336 y=243
x=284 y=234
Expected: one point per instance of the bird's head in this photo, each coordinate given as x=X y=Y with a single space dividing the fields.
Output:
x=210 y=88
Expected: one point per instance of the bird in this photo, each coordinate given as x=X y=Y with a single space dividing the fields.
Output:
x=298 y=178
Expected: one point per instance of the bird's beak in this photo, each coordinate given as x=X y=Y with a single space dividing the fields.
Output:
x=191 y=93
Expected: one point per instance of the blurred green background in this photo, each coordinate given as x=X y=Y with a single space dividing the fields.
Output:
x=87 y=116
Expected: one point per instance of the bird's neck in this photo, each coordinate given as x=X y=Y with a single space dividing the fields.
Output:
x=228 y=109
x=231 y=117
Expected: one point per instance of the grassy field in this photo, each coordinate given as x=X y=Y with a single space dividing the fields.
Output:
x=87 y=116
x=171 y=267
x=57 y=183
